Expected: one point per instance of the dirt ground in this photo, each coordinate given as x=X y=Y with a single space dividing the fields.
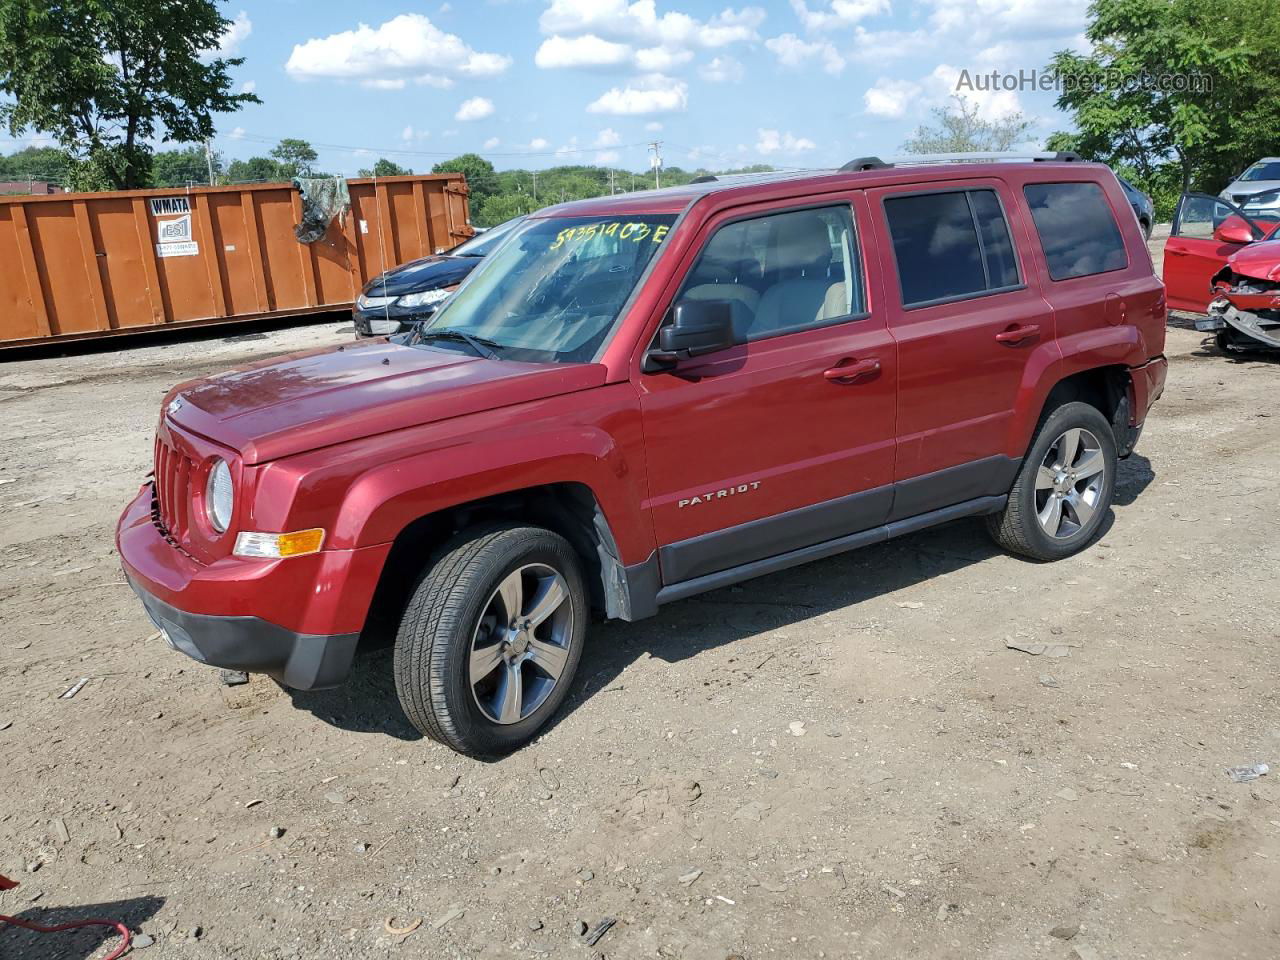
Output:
x=843 y=760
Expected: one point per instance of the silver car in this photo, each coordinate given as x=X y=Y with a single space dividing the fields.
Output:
x=1257 y=190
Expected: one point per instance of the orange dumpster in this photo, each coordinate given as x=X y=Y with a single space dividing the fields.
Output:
x=79 y=265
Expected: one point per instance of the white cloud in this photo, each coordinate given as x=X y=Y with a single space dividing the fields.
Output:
x=406 y=133
x=587 y=50
x=653 y=126
x=880 y=46
x=834 y=14
x=608 y=137
x=655 y=93
x=722 y=70
x=992 y=104
x=662 y=59
x=640 y=22
x=236 y=134
x=477 y=108
x=771 y=141
x=446 y=8
x=235 y=34
x=492 y=143
x=409 y=46
x=889 y=98
x=607 y=158
x=249 y=86
x=615 y=33
x=1023 y=19
x=538 y=143
x=794 y=53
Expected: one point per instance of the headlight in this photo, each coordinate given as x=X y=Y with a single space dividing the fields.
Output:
x=219 y=496
x=370 y=303
x=424 y=299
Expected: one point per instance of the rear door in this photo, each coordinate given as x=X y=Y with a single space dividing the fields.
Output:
x=1192 y=255
x=967 y=324
x=785 y=440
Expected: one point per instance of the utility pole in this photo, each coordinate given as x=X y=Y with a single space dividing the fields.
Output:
x=656 y=149
x=208 y=159
x=612 y=188
x=535 y=187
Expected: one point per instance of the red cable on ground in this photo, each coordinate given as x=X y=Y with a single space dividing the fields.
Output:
x=120 y=927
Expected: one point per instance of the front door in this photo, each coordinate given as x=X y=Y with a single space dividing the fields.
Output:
x=785 y=440
x=1196 y=251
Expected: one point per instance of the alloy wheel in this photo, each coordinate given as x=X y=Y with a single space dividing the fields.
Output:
x=1069 y=483
x=521 y=644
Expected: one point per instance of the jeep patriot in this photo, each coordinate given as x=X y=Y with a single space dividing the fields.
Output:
x=642 y=397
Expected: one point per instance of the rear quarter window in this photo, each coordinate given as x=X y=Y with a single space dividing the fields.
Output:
x=1077 y=229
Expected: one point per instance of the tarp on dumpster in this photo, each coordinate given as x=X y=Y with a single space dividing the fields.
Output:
x=323 y=200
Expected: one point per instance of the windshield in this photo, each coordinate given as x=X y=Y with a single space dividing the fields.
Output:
x=483 y=244
x=554 y=291
x=1262 y=171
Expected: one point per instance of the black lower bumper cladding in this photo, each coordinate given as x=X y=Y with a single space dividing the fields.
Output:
x=299 y=660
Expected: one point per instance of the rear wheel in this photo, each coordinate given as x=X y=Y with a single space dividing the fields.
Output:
x=1064 y=488
x=491 y=638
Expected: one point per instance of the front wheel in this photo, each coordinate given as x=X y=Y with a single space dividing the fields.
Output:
x=1064 y=488
x=491 y=638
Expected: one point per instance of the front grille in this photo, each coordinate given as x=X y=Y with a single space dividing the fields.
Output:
x=172 y=511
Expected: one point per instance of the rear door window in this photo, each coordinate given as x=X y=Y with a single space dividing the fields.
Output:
x=1077 y=229
x=951 y=246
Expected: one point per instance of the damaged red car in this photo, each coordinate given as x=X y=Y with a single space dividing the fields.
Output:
x=1224 y=263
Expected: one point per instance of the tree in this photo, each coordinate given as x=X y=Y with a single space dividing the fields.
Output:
x=1199 y=91
x=960 y=129
x=106 y=77
x=295 y=157
x=481 y=177
x=385 y=168
x=177 y=168
x=36 y=163
x=256 y=170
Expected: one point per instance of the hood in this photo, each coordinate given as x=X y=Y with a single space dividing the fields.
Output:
x=1260 y=260
x=309 y=400
x=429 y=273
x=1250 y=187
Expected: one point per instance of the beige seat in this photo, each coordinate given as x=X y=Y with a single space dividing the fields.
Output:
x=801 y=249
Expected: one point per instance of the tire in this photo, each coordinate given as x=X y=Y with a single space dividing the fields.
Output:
x=1146 y=229
x=462 y=604
x=1022 y=527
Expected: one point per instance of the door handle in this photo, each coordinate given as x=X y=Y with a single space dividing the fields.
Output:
x=849 y=372
x=1018 y=334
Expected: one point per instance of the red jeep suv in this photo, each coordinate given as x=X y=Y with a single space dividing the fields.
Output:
x=639 y=398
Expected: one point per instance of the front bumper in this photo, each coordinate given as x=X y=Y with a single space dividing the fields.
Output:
x=299 y=660
x=296 y=619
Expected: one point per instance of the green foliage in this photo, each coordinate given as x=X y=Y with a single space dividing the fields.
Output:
x=1198 y=137
x=255 y=170
x=36 y=163
x=177 y=168
x=481 y=177
x=385 y=168
x=105 y=77
x=959 y=129
x=295 y=158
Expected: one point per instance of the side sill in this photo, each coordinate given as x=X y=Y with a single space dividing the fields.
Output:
x=819 y=551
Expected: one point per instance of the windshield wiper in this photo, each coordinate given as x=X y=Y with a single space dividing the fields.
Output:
x=481 y=345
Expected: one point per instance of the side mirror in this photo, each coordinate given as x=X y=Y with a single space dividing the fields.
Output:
x=697 y=327
x=1233 y=230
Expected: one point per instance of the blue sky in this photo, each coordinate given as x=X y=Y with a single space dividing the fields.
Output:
x=538 y=82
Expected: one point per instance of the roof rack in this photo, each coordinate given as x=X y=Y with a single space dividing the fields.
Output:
x=708 y=178
x=862 y=164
